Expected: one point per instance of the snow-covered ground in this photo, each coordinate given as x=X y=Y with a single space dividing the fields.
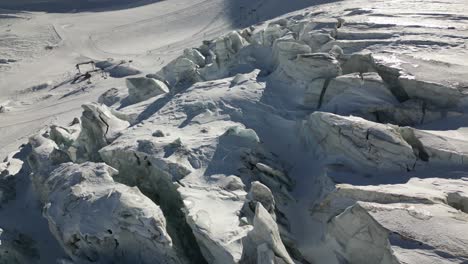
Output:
x=332 y=134
x=40 y=49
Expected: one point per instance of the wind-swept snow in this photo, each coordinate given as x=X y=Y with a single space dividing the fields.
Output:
x=43 y=47
x=333 y=134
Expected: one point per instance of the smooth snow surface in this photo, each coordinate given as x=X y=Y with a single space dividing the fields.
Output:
x=219 y=131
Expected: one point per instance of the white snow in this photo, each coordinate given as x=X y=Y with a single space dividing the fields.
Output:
x=217 y=131
x=44 y=47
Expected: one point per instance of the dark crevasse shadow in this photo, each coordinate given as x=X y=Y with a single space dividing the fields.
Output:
x=244 y=13
x=447 y=123
x=349 y=176
x=71 y=6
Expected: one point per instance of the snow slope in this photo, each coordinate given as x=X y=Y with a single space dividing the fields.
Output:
x=333 y=134
x=59 y=6
x=40 y=49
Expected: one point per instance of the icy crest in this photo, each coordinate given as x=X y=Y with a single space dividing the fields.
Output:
x=300 y=140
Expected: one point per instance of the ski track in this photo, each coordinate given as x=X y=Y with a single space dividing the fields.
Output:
x=73 y=41
x=143 y=34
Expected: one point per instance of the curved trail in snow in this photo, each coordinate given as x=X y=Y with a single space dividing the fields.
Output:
x=150 y=35
x=80 y=36
x=155 y=32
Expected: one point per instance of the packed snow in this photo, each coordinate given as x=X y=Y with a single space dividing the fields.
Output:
x=215 y=131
